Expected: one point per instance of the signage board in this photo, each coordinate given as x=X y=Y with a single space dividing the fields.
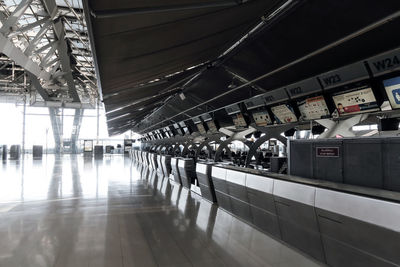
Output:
x=385 y=62
x=232 y=109
x=304 y=87
x=351 y=73
x=275 y=96
x=255 y=102
x=327 y=152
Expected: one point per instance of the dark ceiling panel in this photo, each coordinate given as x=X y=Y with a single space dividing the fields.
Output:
x=141 y=47
x=138 y=48
x=157 y=90
x=311 y=26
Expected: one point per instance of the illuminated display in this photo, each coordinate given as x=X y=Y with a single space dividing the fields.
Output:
x=392 y=87
x=357 y=101
x=239 y=120
x=262 y=118
x=201 y=128
x=211 y=125
x=284 y=114
x=313 y=108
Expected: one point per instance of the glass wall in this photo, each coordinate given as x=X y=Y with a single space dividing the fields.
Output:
x=39 y=131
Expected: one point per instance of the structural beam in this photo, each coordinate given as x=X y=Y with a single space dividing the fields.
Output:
x=161 y=9
x=16 y=55
x=65 y=59
x=76 y=128
x=57 y=128
x=14 y=17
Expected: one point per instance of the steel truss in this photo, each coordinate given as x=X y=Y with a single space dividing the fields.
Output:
x=45 y=52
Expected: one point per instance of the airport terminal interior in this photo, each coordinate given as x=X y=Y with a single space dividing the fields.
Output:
x=199 y=133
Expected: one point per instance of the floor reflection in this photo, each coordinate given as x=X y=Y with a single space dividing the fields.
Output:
x=197 y=233
x=76 y=211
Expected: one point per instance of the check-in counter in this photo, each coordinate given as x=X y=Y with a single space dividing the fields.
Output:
x=159 y=163
x=4 y=152
x=236 y=183
x=175 y=170
x=15 y=152
x=148 y=154
x=341 y=225
x=297 y=218
x=150 y=159
x=143 y=161
x=203 y=172
x=262 y=205
x=166 y=164
x=357 y=230
x=218 y=175
x=153 y=161
x=146 y=158
x=187 y=171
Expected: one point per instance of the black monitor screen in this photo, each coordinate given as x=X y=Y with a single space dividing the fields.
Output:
x=392 y=87
x=356 y=101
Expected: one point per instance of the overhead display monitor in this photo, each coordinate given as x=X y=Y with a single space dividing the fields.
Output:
x=262 y=118
x=239 y=121
x=201 y=128
x=392 y=87
x=356 y=101
x=284 y=114
x=211 y=125
x=313 y=108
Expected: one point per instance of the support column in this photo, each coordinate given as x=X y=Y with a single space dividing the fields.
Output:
x=342 y=128
x=76 y=128
x=23 y=127
x=98 y=121
x=56 y=126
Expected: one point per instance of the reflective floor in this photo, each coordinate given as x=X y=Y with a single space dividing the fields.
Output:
x=72 y=211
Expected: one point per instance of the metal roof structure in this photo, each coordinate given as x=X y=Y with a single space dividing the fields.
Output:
x=161 y=62
x=45 y=51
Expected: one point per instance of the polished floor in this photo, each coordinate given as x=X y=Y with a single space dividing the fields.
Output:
x=72 y=211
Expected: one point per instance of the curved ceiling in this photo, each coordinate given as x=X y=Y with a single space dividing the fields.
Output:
x=147 y=54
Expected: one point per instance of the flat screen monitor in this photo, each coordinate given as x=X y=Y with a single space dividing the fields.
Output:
x=201 y=128
x=212 y=127
x=262 y=118
x=313 y=108
x=392 y=87
x=88 y=146
x=239 y=121
x=284 y=114
x=356 y=101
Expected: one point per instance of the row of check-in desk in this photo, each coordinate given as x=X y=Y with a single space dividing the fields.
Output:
x=341 y=225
